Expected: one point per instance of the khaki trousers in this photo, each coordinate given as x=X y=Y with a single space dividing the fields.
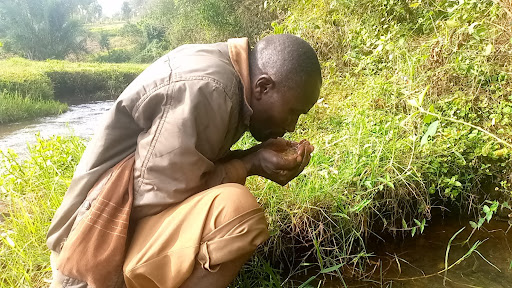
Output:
x=207 y=230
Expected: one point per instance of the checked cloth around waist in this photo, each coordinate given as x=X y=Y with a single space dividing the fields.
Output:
x=95 y=249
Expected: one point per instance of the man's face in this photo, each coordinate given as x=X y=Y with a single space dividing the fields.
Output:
x=276 y=110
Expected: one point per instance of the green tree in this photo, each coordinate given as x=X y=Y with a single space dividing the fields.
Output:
x=91 y=12
x=201 y=21
x=126 y=10
x=42 y=29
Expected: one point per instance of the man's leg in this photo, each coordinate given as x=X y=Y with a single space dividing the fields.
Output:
x=202 y=242
x=219 y=279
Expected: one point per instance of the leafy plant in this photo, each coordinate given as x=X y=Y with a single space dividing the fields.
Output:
x=42 y=29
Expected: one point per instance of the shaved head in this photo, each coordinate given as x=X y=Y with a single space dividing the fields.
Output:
x=285 y=83
x=287 y=59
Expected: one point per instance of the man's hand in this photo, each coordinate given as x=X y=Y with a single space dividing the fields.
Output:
x=279 y=160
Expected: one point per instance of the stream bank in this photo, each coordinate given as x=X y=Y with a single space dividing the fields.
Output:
x=417 y=262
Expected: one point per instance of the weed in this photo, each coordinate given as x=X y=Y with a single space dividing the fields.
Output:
x=16 y=108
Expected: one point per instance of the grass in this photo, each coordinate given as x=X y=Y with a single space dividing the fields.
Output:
x=64 y=80
x=32 y=190
x=380 y=164
x=31 y=89
x=14 y=108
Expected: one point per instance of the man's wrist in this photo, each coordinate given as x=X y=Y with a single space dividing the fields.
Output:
x=250 y=163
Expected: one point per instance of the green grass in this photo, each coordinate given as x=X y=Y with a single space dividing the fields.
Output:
x=31 y=89
x=64 y=80
x=32 y=190
x=112 y=28
x=15 y=108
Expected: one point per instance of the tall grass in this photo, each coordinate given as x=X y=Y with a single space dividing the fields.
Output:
x=379 y=164
x=15 y=108
x=32 y=190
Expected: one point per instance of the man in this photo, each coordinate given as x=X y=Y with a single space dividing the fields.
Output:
x=180 y=117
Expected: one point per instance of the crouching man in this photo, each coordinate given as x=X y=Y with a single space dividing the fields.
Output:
x=158 y=197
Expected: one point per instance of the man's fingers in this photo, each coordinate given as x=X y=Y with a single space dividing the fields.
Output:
x=305 y=161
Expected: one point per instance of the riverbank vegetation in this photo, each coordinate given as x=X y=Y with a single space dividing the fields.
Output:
x=32 y=89
x=64 y=80
x=414 y=119
x=14 y=108
x=32 y=190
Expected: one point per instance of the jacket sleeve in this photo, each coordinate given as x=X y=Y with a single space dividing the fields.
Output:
x=185 y=125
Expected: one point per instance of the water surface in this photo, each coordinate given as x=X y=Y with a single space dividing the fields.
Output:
x=79 y=120
x=414 y=262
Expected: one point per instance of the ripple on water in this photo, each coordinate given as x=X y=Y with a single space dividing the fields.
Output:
x=80 y=120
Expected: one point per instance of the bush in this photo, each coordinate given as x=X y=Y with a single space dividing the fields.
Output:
x=113 y=56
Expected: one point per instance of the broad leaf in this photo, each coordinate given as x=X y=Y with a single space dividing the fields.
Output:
x=431 y=131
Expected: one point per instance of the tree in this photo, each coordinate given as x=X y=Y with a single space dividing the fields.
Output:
x=126 y=10
x=42 y=29
x=203 y=21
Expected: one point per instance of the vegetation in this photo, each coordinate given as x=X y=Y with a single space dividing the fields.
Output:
x=167 y=24
x=62 y=80
x=415 y=118
x=29 y=89
x=42 y=29
x=33 y=190
x=409 y=89
x=15 y=108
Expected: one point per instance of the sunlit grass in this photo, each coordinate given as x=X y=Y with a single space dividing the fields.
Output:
x=15 y=108
x=32 y=189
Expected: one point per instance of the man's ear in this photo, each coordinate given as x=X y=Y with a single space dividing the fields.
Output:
x=262 y=85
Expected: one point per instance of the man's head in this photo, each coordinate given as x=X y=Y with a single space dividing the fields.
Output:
x=285 y=83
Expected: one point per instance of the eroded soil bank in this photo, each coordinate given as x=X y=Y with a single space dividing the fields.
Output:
x=416 y=262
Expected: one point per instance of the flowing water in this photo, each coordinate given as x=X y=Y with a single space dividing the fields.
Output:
x=415 y=262
x=79 y=120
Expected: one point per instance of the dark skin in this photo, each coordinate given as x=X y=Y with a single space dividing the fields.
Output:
x=276 y=110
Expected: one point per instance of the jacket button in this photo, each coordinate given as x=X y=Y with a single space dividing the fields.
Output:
x=87 y=205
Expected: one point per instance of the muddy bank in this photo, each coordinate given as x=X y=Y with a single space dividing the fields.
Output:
x=416 y=262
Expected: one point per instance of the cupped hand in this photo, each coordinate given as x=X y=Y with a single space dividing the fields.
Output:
x=281 y=160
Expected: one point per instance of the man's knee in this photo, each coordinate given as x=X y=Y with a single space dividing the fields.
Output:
x=233 y=200
x=234 y=205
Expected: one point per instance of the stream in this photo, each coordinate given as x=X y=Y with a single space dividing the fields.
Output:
x=415 y=262
x=80 y=120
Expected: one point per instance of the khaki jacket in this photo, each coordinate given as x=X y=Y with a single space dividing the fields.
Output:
x=180 y=117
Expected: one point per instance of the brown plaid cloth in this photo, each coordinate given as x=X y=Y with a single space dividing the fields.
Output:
x=95 y=249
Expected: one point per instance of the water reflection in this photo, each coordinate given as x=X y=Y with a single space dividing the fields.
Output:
x=79 y=120
x=414 y=262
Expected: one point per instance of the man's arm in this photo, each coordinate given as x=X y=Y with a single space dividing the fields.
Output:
x=176 y=154
x=276 y=159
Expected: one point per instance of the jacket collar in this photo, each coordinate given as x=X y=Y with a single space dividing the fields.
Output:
x=239 y=54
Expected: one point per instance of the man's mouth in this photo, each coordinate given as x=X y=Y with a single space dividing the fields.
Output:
x=277 y=134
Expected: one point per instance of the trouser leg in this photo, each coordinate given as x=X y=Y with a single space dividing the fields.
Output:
x=206 y=238
x=221 y=278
